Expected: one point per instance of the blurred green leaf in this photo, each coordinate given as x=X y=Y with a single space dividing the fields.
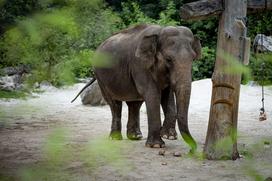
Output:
x=103 y=150
x=102 y=60
x=55 y=148
x=233 y=66
x=60 y=154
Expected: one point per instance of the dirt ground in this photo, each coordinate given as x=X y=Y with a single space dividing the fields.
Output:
x=26 y=124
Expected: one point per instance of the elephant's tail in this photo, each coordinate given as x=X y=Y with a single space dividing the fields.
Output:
x=87 y=85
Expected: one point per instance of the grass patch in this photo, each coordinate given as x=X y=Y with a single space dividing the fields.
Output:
x=13 y=94
x=7 y=178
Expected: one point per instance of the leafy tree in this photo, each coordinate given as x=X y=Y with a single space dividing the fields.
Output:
x=58 y=37
x=261 y=75
x=56 y=41
x=11 y=10
x=260 y=23
x=203 y=68
x=132 y=14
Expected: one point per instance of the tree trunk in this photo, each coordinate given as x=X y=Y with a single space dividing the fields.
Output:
x=221 y=140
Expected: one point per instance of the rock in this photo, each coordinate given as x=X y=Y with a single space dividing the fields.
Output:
x=83 y=80
x=93 y=96
x=46 y=86
x=15 y=70
x=164 y=163
x=45 y=83
x=36 y=85
x=267 y=144
x=12 y=78
x=10 y=83
x=177 y=154
x=262 y=43
x=162 y=152
x=252 y=84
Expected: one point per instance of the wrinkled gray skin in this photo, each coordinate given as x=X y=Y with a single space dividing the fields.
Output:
x=148 y=61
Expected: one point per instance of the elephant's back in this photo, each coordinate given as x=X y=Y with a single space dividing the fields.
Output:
x=123 y=40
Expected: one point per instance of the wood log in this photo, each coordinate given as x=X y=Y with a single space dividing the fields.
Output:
x=221 y=140
x=254 y=5
x=201 y=9
x=205 y=8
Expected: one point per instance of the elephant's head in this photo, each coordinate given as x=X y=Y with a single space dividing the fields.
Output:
x=173 y=50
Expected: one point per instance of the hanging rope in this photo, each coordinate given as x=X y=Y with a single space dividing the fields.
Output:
x=262 y=116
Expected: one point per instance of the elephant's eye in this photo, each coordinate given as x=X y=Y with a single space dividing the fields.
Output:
x=171 y=43
x=168 y=60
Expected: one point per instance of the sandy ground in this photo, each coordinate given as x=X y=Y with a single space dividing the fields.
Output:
x=26 y=124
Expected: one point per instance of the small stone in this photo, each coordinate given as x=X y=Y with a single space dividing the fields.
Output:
x=162 y=152
x=164 y=163
x=36 y=85
x=268 y=179
x=45 y=83
x=177 y=154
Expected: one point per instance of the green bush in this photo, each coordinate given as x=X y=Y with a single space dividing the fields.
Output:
x=206 y=30
x=58 y=42
x=22 y=94
x=260 y=23
x=203 y=68
x=258 y=74
x=132 y=14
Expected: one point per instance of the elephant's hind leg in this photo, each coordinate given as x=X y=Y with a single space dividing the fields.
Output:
x=168 y=130
x=116 y=126
x=133 y=125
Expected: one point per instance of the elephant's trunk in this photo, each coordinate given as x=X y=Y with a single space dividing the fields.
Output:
x=183 y=93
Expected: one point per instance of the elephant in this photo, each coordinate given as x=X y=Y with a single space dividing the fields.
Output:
x=150 y=64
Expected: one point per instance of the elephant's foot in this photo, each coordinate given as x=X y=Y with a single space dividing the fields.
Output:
x=134 y=134
x=168 y=133
x=116 y=135
x=154 y=143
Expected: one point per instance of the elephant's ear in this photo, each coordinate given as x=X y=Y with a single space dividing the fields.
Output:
x=147 y=46
x=197 y=47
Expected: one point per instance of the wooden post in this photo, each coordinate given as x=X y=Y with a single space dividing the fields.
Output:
x=221 y=140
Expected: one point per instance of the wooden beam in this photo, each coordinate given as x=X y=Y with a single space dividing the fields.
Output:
x=259 y=5
x=201 y=9
x=205 y=8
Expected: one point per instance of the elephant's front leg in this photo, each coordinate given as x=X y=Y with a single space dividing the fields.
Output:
x=168 y=130
x=152 y=99
x=133 y=125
